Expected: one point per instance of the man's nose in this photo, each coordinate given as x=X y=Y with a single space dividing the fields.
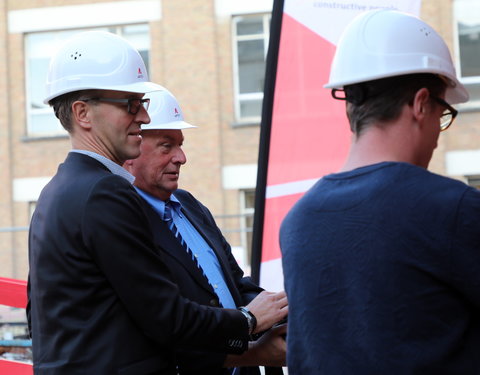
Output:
x=142 y=116
x=180 y=157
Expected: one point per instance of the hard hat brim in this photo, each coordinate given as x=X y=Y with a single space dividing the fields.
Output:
x=455 y=93
x=138 y=87
x=174 y=125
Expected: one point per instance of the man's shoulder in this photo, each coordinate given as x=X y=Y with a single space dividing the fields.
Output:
x=419 y=178
x=426 y=190
x=76 y=172
x=81 y=163
x=446 y=184
x=82 y=176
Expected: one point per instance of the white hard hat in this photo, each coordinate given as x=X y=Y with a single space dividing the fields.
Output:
x=385 y=43
x=165 y=113
x=97 y=60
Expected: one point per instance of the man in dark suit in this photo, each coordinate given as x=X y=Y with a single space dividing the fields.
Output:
x=101 y=297
x=204 y=267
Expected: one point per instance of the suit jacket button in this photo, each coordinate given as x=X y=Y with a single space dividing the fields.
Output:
x=214 y=303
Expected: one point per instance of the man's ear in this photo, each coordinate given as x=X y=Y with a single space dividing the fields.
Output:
x=81 y=114
x=421 y=104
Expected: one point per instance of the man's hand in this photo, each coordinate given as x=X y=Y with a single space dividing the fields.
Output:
x=268 y=350
x=268 y=308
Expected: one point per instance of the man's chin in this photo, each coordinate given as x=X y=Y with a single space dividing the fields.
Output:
x=166 y=191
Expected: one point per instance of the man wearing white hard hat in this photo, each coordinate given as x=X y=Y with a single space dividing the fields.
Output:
x=382 y=258
x=199 y=257
x=101 y=298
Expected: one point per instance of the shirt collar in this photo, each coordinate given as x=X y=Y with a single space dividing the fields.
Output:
x=111 y=165
x=158 y=204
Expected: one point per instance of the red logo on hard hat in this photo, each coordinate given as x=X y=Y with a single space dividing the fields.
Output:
x=139 y=73
x=176 y=112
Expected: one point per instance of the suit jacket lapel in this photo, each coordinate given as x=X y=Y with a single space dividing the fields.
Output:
x=210 y=234
x=170 y=245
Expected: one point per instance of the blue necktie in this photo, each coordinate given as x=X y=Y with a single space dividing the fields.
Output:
x=171 y=225
x=167 y=216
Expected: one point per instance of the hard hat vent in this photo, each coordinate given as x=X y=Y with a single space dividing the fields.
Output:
x=97 y=60
x=425 y=31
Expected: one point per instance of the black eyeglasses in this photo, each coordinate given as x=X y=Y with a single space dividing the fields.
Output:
x=133 y=105
x=447 y=117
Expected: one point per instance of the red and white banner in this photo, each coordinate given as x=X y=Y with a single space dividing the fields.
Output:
x=309 y=134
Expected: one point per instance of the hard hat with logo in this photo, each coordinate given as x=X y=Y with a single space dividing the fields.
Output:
x=97 y=60
x=386 y=43
x=165 y=113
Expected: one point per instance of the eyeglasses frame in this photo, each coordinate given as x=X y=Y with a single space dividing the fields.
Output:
x=145 y=102
x=451 y=111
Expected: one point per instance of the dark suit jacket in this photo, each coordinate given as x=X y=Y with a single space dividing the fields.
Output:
x=192 y=283
x=101 y=297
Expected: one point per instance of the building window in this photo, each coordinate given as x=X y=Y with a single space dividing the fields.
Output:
x=39 y=47
x=251 y=35
x=468 y=47
x=247 y=210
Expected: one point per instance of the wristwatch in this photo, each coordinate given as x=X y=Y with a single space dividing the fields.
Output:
x=251 y=319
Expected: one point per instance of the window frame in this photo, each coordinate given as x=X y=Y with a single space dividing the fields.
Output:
x=238 y=97
x=473 y=103
x=246 y=231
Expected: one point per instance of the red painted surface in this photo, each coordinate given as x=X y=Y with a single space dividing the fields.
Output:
x=14 y=293
x=275 y=210
x=15 y=368
x=310 y=134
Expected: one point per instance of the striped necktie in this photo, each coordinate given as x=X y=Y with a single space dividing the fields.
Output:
x=167 y=216
x=171 y=225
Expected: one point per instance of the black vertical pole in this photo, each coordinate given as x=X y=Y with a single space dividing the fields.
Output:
x=265 y=129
